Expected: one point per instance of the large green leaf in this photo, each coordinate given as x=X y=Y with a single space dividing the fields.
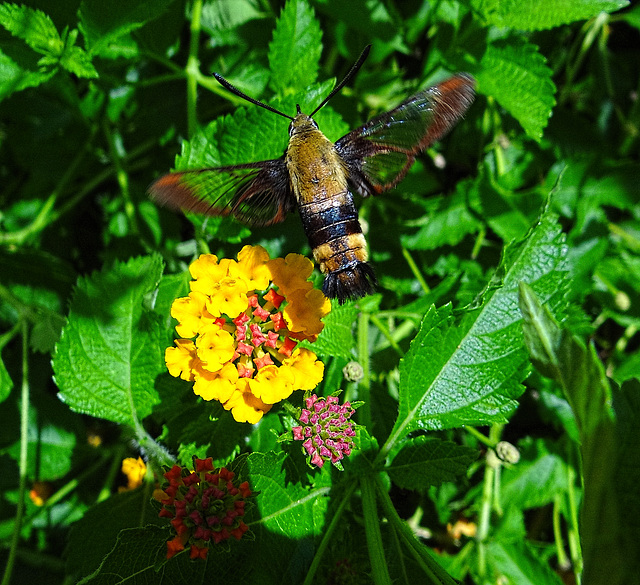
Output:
x=468 y=370
x=294 y=53
x=610 y=455
x=516 y=74
x=543 y=14
x=111 y=349
x=34 y=27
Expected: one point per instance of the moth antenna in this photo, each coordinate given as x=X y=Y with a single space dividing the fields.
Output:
x=233 y=89
x=354 y=69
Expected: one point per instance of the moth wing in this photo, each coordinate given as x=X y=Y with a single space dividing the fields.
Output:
x=255 y=193
x=379 y=154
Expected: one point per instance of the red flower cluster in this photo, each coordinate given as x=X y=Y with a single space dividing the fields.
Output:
x=205 y=506
x=326 y=431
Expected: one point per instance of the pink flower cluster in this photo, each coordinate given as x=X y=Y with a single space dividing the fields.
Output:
x=326 y=431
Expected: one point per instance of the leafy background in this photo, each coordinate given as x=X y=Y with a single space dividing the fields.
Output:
x=499 y=434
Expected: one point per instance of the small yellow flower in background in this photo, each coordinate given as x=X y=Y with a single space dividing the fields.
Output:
x=40 y=492
x=135 y=470
x=239 y=329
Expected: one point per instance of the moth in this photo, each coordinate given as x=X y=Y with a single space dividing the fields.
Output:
x=317 y=177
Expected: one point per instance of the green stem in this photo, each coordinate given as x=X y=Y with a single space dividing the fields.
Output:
x=593 y=28
x=193 y=68
x=24 y=434
x=563 y=561
x=345 y=498
x=420 y=552
x=121 y=176
x=392 y=342
x=573 y=532
x=43 y=218
x=479 y=436
x=364 y=386
x=490 y=497
x=379 y=569
x=416 y=271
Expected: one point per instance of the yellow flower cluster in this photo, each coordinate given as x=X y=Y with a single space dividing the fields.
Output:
x=239 y=328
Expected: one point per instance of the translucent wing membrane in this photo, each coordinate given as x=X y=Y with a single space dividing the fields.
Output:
x=255 y=193
x=379 y=154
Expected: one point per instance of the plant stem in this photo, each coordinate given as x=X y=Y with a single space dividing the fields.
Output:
x=24 y=435
x=193 y=67
x=428 y=564
x=345 y=498
x=416 y=271
x=364 y=386
x=379 y=569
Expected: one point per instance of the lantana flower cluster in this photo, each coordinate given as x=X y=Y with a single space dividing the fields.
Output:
x=239 y=329
x=206 y=507
x=326 y=431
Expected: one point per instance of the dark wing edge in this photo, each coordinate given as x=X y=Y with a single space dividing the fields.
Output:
x=257 y=194
x=379 y=154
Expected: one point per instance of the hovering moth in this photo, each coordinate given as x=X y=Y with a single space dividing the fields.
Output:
x=317 y=177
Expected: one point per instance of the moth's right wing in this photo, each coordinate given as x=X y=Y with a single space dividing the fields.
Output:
x=255 y=193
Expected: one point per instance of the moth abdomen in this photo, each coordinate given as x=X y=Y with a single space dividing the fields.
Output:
x=352 y=282
x=339 y=247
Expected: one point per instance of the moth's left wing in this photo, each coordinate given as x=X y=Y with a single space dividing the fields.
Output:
x=379 y=154
x=255 y=193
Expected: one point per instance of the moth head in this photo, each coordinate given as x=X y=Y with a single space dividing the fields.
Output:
x=302 y=123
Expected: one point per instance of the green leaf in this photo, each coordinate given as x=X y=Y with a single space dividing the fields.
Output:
x=294 y=52
x=515 y=562
x=468 y=371
x=34 y=27
x=337 y=338
x=78 y=62
x=103 y=23
x=516 y=75
x=543 y=14
x=610 y=456
x=111 y=351
x=536 y=479
x=50 y=442
x=573 y=365
x=447 y=220
x=14 y=78
x=6 y=383
x=129 y=509
x=424 y=461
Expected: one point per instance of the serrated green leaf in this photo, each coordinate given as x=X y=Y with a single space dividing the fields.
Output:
x=102 y=24
x=543 y=14
x=14 y=78
x=111 y=352
x=78 y=62
x=34 y=27
x=469 y=371
x=517 y=76
x=285 y=507
x=424 y=461
x=294 y=53
x=337 y=337
x=515 y=562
